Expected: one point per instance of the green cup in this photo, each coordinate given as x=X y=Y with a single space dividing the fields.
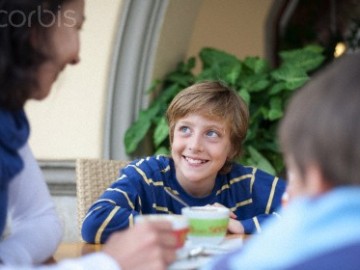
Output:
x=207 y=224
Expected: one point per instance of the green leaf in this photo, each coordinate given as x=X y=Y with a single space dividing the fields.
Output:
x=137 y=131
x=255 y=83
x=182 y=75
x=257 y=65
x=277 y=88
x=292 y=76
x=271 y=146
x=260 y=161
x=264 y=111
x=244 y=94
x=168 y=94
x=188 y=66
x=233 y=74
x=161 y=132
x=212 y=57
x=219 y=65
x=179 y=78
x=296 y=83
x=276 y=110
x=135 y=134
x=307 y=58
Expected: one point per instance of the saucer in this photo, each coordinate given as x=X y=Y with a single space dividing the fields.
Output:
x=194 y=256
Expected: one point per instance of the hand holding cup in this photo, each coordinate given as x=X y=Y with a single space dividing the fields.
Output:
x=179 y=225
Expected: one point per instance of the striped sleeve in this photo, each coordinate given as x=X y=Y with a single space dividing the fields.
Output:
x=266 y=195
x=132 y=194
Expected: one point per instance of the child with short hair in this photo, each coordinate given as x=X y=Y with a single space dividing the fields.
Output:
x=319 y=135
x=208 y=123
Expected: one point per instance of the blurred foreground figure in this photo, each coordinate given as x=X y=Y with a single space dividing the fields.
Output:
x=319 y=137
x=38 y=39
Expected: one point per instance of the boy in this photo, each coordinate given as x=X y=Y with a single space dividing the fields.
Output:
x=320 y=140
x=208 y=123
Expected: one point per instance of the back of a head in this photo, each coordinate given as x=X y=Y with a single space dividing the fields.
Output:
x=322 y=126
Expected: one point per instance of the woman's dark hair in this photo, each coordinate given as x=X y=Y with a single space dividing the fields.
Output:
x=19 y=59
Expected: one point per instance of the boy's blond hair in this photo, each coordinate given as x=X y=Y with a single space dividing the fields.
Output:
x=215 y=100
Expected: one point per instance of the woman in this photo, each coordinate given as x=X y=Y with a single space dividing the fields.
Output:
x=38 y=39
x=28 y=67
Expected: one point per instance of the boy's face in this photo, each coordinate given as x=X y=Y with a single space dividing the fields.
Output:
x=199 y=148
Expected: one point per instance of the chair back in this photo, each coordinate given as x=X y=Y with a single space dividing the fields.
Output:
x=93 y=176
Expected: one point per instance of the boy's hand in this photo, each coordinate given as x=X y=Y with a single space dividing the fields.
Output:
x=234 y=226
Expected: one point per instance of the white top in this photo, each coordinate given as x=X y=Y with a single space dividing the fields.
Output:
x=35 y=229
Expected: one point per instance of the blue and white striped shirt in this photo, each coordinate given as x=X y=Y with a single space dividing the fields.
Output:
x=250 y=193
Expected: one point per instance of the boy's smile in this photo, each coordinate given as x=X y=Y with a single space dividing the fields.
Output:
x=200 y=148
x=194 y=161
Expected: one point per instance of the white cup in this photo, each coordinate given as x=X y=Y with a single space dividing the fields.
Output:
x=207 y=224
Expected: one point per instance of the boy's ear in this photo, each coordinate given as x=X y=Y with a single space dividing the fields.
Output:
x=232 y=154
x=315 y=181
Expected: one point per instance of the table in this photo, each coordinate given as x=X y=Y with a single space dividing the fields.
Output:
x=74 y=250
x=78 y=249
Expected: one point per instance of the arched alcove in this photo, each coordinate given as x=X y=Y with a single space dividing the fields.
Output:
x=144 y=50
x=151 y=38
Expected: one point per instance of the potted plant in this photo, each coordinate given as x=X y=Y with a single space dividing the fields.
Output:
x=266 y=90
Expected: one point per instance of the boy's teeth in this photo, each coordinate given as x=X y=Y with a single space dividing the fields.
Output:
x=195 y=161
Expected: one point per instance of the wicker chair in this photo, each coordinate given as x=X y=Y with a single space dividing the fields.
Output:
x=93 y=176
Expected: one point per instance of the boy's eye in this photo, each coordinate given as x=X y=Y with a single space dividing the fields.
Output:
x=212 y=134
x=184 y=129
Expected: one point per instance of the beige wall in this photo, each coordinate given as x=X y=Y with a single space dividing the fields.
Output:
x=176 y=34
x=235 y=26
x=69 y=123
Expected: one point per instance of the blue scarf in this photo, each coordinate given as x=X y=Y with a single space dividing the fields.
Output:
x=14 y=133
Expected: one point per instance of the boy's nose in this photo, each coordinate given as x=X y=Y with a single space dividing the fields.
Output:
x=195 y=144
